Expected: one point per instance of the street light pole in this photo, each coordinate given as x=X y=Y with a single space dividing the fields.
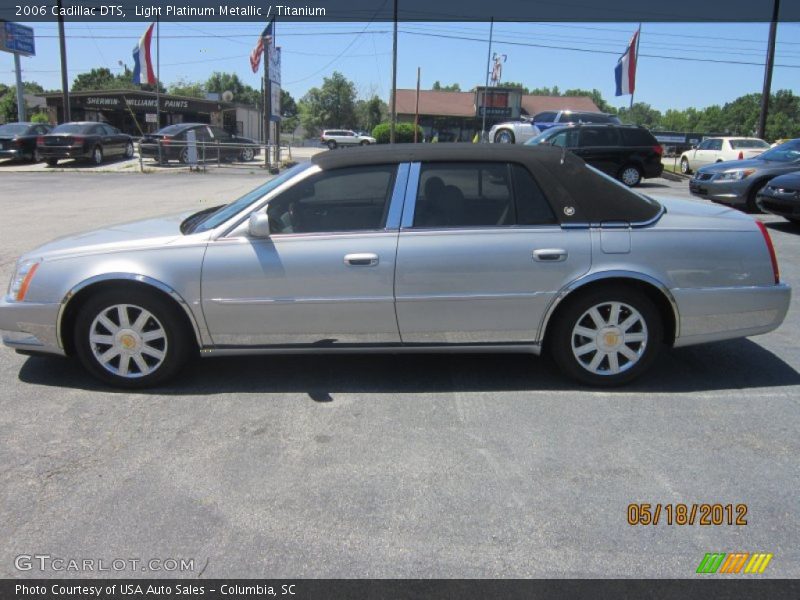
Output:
x=765 y=93
x=63 y=46
x=486 y=87
x=393 y=119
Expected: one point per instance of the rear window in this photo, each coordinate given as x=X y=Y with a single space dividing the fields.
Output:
x=743 y=144
x=13 y=129
x=599 y=136
x=638 y=137
x=171 y=129
x=72 y=128
x=588 y=118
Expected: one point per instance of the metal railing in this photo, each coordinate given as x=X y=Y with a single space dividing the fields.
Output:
x=199 y=155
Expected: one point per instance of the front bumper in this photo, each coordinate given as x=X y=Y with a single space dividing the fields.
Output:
x=786 y=207
x=30 y=326
x=713 y=314
x=11 y=153
x=63 y=152
x=733 y=193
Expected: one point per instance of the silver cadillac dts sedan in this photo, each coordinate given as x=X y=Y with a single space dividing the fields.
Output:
x=415 y=248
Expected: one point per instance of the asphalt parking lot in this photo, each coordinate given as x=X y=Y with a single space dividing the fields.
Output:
x=475 y=466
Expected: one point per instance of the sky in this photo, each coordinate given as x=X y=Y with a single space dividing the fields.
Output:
x=567 y=55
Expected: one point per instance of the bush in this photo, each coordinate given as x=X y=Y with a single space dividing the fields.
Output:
x=40 y=117
x=403 y=133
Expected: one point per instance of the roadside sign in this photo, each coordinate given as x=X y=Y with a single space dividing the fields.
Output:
x=17 y=39
x=275 y=102
x=151 y=118
x=275 y=64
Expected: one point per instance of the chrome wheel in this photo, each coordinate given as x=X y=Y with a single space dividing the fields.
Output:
x=129 y=150
x=630 y=176
x=247 y=154
x=97 y=155
x=609 y=338
x=684 y=166
x=504 y=137
x=128 y=341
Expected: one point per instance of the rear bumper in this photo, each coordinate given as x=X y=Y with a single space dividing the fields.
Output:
x=712 y=314
x=63 y=152
x=653 y=170
x=12 y=153
x=30 y=326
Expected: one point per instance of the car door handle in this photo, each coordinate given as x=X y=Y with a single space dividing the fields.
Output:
x=361 y=260
x=550 y=255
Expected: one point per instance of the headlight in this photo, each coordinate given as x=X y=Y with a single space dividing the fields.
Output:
x=21 y=280
x=735 y=175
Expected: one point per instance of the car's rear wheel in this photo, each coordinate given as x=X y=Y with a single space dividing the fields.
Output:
x=184 y=156
x=332 y=144
x=607 y=336
x=630 y=175
x=685 y=166
x=129 y=150
x=97 y=155
x=750 y=205
x=131 y=338
x=52 y=162
x=504 y=136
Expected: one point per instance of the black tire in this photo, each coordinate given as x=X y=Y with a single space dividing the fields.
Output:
x=750 y=206
x=97 y=155
x=332 y=144
x=247 y=155
x=129 y=150
x=504 y=136
x=685 y=166
x=573 y=314
x=183 y=157
x=364 y=143
x=630 y=175
x=52 y=162
x=177 y=342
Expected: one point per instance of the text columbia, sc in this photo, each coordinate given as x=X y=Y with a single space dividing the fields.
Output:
x=223 y=10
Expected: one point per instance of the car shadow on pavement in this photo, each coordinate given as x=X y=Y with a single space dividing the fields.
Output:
x=737 y=364
x=783 y=226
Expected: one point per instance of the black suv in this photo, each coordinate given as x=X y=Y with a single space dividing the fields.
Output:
x=627 y=152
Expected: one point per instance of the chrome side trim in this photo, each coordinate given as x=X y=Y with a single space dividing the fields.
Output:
x=467 y=296
x=410 y=204
x=599 y=276
x=256 y=301
x=126 y=277
x=535 y=349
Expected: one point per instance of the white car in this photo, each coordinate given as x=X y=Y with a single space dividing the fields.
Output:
x=719 y=149
x=333 y=138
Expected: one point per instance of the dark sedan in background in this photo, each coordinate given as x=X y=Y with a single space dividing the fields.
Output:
x=212 y=143
x=781 y=196
x=85 y=140
x=18 y=140
x=737 y=182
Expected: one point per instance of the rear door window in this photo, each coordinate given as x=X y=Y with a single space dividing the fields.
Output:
x=638 y=137
x=598 y=136
x=545 y=117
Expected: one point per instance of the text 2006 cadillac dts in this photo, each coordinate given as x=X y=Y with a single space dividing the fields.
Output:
x=412 y=248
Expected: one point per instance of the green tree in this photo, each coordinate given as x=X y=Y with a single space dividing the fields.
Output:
x=191 y=89
x=596 y=97
x=404 y=133
x=290 y=119
x=453 y=87
x=640 y=113
x=8 y=101
x=370 y=112
x=515 y=84
x=242 y=93
x=331 y=105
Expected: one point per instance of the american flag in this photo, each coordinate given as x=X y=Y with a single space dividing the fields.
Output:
x=255 y=55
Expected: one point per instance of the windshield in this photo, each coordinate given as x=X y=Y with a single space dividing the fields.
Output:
x=788 y=152
x=71 y=128
x=172 y=129
x=13 y=128
x=742 y=144
x=226 y=212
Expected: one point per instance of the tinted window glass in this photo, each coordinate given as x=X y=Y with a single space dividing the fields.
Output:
x=715 y=145
x=786 y=152
x=464 y=195
x=532 y=207
x=638 y=137
x=172 y=129
x=71 y=128
x=599 y=136
x=13 y=129
x=348 y=199
x=755 y=144
x=704 y=145
x=591 y=118
x=566 y=138
x=546 y=117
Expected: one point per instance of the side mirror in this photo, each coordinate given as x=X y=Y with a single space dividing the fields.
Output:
x=258 y=225
x=694 y=146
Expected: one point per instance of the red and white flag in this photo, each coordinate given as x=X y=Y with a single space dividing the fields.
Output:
x=142 y=62
x=258 y=51
x=625 y=71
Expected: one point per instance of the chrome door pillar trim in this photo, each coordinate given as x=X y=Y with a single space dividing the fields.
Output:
x=409 y=206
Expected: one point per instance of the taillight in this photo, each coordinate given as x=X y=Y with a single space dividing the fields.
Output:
x=741 y=155
x=19 y=143
x=40 y=140
x=771 y=249
x=658 y=149
x=77 y=139
x=166 y=140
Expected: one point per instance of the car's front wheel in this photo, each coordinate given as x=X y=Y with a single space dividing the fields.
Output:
x=129 y=150
x=364 y=143
x=607 y=336
x=97 y=155
x=685 y=169
x=332 y=144
x=246 y=155
x=630 y=175
x=504 y=136
x=131 y=338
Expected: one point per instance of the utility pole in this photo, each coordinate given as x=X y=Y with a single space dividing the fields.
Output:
x=393 y=120
x=416 y=108
x=158 y=73
x=486 y=87
x=20 y=91
x=267 y=99
x=765 y=94
x=64 y=84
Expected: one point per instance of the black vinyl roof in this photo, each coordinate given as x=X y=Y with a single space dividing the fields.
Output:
x=577 y=193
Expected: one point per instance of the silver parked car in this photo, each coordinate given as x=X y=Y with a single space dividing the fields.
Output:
x=334 y=138
x=410 y=248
